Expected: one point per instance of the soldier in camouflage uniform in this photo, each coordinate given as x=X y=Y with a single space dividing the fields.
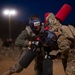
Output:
x=70 y=69
x=25 y=40
x=66 y=37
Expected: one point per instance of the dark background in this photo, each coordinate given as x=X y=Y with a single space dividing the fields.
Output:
x=26 y=8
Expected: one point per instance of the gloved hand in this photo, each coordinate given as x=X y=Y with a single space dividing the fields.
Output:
x=35 y=43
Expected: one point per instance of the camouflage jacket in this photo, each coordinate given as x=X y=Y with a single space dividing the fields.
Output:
x=27 y=35
x=66 y=34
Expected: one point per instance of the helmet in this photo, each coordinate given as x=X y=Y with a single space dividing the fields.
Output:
x=33 y=23
x=45 y=16
x=49 y=38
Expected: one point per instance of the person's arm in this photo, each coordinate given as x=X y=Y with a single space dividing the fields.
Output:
x=22 y=39
x=64 y=46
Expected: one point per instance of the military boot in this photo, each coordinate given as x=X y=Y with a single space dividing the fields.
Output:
x=8 y=73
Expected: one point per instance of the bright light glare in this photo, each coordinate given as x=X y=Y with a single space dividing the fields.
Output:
x=9 y=12
x=6 y=12
x=13 y=12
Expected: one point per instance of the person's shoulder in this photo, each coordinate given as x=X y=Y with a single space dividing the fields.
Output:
x=24 y=32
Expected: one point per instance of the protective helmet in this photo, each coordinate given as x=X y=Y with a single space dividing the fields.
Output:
x=49 y=38
x=36 y=22
x=45 y=16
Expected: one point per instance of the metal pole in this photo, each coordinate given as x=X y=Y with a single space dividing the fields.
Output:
x=9 y=25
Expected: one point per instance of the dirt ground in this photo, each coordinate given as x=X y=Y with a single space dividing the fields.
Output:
x=5 y=65
x=11 y=57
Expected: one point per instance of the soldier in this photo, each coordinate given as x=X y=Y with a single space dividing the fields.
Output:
x=66 y=36
x=70 y=69
x=24 y=40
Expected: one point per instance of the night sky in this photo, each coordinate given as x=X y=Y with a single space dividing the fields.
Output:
x=27 y=8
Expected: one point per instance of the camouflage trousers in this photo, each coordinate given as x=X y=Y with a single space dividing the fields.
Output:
x=70 y=69
x=16 y=68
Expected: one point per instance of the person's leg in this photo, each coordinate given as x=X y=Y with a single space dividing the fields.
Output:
x=38 y=67
x=16 y=68
x=37 y=72
x=13 y=69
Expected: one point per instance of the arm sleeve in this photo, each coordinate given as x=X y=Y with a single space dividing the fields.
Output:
x=22 y=39
x=64 y=46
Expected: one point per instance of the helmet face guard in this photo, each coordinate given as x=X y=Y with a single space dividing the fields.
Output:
x=33 y=23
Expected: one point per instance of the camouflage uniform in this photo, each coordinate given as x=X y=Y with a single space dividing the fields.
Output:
x=66 y=37
x=22 y=40
x=30 y=36
x=70 y=70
